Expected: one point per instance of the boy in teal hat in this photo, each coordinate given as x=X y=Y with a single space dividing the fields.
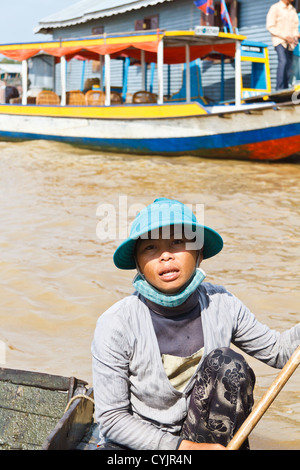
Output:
x=164 y=375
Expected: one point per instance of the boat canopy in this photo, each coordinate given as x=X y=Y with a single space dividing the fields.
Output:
x=131 y=45
x=160 y=47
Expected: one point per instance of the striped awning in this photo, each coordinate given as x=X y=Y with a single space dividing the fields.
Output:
x=87 y=10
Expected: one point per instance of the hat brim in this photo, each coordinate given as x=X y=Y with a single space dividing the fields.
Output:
x=124 y=254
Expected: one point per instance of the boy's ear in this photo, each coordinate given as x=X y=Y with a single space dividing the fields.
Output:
x=137 y=266
x=199 y=258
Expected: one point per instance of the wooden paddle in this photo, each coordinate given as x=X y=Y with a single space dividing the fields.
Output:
x=265 y=401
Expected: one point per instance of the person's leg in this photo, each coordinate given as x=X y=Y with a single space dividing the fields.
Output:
x=281 y=67
x=221 y=399
x=288 y=67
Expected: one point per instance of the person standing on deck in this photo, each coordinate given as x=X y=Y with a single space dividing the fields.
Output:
x=283 y=23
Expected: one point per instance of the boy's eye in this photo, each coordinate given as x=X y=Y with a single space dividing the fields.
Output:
x=149 y=247
x=178 y=242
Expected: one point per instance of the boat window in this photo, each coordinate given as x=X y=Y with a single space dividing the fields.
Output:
x=149 y=22
x=97 y=30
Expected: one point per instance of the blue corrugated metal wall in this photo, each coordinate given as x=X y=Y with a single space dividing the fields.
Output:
x=180 y=14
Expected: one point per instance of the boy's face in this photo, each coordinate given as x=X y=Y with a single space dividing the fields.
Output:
x=165 y=263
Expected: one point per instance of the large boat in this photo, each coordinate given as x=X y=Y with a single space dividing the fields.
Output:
x=248 y=127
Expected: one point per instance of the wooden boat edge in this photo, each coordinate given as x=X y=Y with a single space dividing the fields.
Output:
x=70 y=387
x=73 y=425
x=40 y=379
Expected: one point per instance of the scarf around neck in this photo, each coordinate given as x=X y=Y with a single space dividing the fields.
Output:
x=146 y=289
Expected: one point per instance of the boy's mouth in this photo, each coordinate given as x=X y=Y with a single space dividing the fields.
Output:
x=169 y=274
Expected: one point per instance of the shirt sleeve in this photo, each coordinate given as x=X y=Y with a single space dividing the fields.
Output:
x=258 y=340
x=271 y=24
x=111 y=357
x=295 y=25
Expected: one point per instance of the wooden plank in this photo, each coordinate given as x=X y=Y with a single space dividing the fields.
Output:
x=72 y=426
x=32 y=400
x=36 y=379
x=28 y=415
x=24 y=431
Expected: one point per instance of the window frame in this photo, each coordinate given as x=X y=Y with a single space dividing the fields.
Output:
x=147 y=23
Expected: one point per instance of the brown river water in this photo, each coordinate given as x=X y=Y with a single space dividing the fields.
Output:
x=57 y=276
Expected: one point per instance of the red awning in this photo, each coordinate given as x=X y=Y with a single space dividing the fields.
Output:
x=172 y=55
x=86 y=52
x=176 y=55
x=22 y=54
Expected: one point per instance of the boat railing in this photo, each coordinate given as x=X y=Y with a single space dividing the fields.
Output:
x=73 y=98
x=89 y=98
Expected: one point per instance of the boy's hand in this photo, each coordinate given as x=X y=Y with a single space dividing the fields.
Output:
x=190 y=445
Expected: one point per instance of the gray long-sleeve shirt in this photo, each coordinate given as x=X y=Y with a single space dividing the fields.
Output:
x=136 y=405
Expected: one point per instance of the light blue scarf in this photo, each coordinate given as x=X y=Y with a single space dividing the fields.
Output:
x=168 y=300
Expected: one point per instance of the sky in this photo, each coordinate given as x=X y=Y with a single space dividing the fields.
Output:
x=19 y=17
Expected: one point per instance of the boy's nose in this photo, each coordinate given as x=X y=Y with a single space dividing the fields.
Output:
x=166 y=256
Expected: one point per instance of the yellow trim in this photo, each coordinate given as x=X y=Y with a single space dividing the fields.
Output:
x=253 y=59
x=83 y=42
x=33 y=45
x=109 y=112
x=262 y=90
x=268 y=72
x=265 y=61
x=236 y=37
x=179 y=33
x=114 y=39
x=222 y=35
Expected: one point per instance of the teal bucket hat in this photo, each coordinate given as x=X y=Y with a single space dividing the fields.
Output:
x=161 y=213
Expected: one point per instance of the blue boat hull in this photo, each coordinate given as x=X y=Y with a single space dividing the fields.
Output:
x=262 y=134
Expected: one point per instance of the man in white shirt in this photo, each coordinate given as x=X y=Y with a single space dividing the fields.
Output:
x=283 y=24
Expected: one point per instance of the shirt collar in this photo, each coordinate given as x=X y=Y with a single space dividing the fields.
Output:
x=186 y=307
x=283 y=5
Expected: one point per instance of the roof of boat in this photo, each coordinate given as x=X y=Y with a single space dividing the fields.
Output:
x=203 y=36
